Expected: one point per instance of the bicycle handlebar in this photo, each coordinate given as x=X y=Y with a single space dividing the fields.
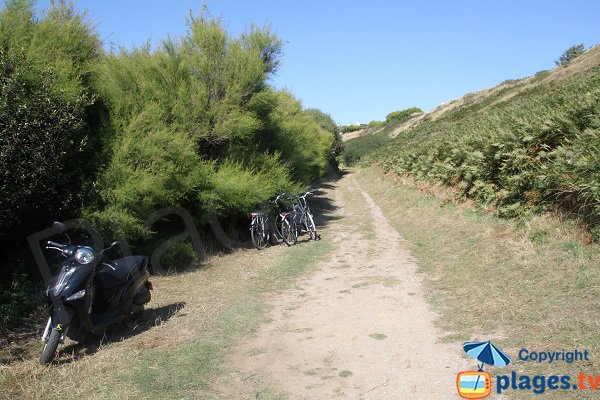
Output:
x=277 y=198
x=300 y=196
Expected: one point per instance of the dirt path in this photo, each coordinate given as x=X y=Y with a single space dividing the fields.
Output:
x=359 y=326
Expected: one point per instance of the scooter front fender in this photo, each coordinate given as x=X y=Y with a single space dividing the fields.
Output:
x=61 y=317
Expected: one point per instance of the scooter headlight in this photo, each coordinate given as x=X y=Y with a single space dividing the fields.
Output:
x=84 y=255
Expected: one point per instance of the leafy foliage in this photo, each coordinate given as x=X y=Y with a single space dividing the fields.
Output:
x=327 y=123
x=538 y=150
x=541 y=75
x=570 y=54
x=48 y=146
x=35 y=145
x=46 y=106
x=376 y=124
x=351 y=128
x=403 y=115
x=357 y=148
x=192 y=124
x=199 y=127
x=301 y=141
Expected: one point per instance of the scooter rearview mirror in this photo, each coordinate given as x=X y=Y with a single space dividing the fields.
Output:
x=112 y=246
x=59 y=226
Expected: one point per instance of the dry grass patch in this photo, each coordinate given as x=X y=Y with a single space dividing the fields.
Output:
x=532 y=285
x=177 y=351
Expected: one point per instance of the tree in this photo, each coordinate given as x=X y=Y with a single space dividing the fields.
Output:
x=570 y=54
x=327 y=123
x=199 y=127
x=51 y=133
x=46 y=106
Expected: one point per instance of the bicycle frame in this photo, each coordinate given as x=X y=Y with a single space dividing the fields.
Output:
x=271 y=226
x=303 y=215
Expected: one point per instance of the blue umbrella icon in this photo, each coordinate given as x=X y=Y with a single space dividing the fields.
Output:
x=487 y=353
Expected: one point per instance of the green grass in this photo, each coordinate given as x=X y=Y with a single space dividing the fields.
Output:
x=533 y=285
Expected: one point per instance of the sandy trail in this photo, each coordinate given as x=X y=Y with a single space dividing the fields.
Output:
x=359 y=326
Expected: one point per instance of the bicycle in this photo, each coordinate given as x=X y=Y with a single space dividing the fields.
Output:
x=282 y=230
x=259 y=230
x=303 y=216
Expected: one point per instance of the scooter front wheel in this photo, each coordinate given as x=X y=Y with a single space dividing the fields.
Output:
x=49 y=350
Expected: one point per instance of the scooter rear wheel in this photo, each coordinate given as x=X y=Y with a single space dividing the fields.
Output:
x=49 y=350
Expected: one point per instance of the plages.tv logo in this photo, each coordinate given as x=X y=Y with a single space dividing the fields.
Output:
x=478 y=384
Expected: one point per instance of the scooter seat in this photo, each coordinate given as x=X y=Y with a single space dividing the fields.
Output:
x=117 y=272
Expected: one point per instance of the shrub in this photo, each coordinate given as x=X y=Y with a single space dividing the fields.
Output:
x=199 y=127
x=193 y=124
x=177 y=256
x=46 y=106
x=400 y=116
x=541 y=75
x=51 y=136
x=358 y=147
x=351 y=128
x=376 y=124
x=570 y=54
x=536 y=151
x=510 y=81
x=303 y=144
x=326 y=122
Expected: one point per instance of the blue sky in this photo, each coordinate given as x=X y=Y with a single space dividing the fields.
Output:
x=358 y=61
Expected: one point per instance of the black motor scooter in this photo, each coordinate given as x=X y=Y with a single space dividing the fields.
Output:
x=91 y=293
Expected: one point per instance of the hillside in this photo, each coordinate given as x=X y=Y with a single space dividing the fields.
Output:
x=526 y=145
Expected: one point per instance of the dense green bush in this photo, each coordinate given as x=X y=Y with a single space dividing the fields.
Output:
x=51 y=134
x=570 y=54
x=115 y=137
x=352 y=128
x=326 y=122
x=199 y=127
x=177 y=256
x=539 y=150
x=48 y=148
x=35 y=145
x=400 y=116
x=376 y=124
x=357 y=148
x=303 y=144
x=541 y=75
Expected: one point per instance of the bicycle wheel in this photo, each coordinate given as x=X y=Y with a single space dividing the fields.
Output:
x=259 y=234
x=311 y=227
x=275 y=229
x=288 y=230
